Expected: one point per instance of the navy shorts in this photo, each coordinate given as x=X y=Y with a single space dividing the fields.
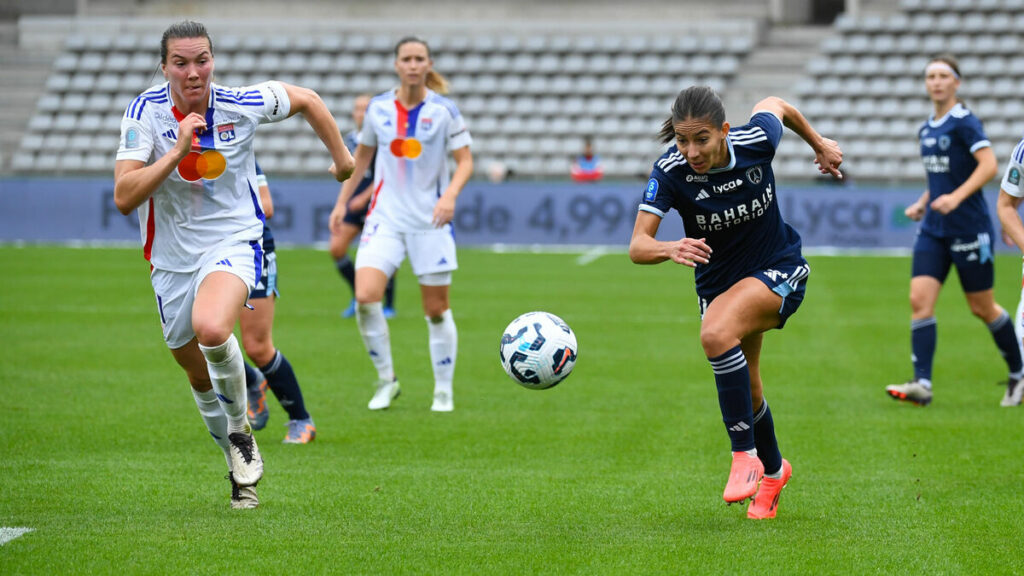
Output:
x=788 y=279
x=267 y=284
x=972 y=256
x=355 y=217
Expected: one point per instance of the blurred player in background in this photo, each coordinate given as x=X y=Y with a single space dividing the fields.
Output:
x=185 y=161
x=355 y=217
x=258 y=342
x=412 y=128
x=956 y=231
x=750 y=273
x=1010 y=195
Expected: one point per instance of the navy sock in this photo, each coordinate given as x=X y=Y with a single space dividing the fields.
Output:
x=765 y=441
x=253 y=377
x=732 y=377
x=282 y=382
x=923 y=335
x=347 y=270
x=1006 y=339
x=389 y=293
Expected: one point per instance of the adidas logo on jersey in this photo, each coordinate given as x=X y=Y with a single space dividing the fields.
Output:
x=224 y=262
x=702 y=195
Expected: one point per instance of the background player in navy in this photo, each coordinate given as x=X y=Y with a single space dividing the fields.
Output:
x=956 y=231
x=749 y=270
x=258 y=342
x=355 y=217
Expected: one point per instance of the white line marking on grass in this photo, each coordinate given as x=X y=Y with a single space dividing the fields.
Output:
x=590 y=255
x=8 y=534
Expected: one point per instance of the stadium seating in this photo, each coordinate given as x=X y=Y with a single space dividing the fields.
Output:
x=868 y=82
x=529 y=99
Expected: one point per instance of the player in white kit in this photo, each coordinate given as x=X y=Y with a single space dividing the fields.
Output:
x=1011 y=193
x=412 y=128
x=186 y=163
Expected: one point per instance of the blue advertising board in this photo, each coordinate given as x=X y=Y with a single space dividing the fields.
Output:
x=516 y=213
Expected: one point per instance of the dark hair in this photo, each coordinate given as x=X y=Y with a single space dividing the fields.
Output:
x=183 y=29
x=947 y=59
x=435 y=81
x=699 y=102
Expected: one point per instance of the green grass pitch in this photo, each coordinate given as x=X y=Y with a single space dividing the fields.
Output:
x=618 y=470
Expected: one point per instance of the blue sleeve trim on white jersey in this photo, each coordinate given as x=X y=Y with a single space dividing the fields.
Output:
x=135 y=108
x=447 y=103
x=247 y=98
x=1018 y=153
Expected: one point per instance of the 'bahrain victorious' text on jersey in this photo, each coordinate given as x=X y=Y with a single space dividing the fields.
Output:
x=734 y=207
x=948 y=145
x=213 y=196
x=411 y=168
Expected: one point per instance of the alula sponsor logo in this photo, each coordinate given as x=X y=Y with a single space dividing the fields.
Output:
x=736 y=215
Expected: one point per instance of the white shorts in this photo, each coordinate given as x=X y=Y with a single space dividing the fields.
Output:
x=176 y=291
x=431 y=252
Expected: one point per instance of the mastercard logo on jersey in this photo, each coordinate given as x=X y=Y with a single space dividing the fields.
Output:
x=206 y=165
x=406 y=148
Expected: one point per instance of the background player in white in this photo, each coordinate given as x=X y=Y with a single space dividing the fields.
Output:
x=186 y=163
x=1010 y=196
x=412 y=128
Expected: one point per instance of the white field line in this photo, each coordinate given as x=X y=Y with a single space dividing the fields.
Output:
x=8 y=534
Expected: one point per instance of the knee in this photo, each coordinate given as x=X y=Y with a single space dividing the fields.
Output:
x=920 y=305
x=259 y=350
x=716 y=341
x=210 y=333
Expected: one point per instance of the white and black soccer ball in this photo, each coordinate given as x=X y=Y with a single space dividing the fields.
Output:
x=538 y=350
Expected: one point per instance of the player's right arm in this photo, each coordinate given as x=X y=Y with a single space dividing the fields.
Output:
x=644 y=248
x=364 y=154
x=135 y=182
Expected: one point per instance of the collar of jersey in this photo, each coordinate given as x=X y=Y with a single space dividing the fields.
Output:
x=932 y=122
x=732 y=160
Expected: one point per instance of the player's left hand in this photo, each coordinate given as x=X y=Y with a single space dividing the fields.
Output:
x=829 y=158
x=945 y=204
x=444 y=211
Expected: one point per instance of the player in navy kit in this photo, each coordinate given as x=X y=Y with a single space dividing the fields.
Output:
x=956 y=231
x=355 y=217
x=257 y=325
x=749 y=270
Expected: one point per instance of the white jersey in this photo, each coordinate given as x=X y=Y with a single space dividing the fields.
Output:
x=411 y=170
x=213 y=195
x=1014 y=169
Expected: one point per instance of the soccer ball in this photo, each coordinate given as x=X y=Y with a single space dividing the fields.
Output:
x=538 y=350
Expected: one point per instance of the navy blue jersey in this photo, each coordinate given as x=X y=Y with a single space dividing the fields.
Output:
x=734 y=207
x=351 y=141
x=948 y=145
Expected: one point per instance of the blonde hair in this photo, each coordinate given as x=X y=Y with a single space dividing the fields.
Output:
x=435 y=80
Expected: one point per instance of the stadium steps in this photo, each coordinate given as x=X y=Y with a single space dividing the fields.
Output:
x=25 y=72
x=773 y=67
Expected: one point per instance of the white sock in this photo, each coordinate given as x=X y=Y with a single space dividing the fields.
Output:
x=227 y=373
x=776 y=475
x=444 y=344
x=374 y=329
x=215 y=419
x=925 y=382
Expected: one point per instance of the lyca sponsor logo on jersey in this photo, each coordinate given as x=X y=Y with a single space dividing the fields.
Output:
x=723 y=188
